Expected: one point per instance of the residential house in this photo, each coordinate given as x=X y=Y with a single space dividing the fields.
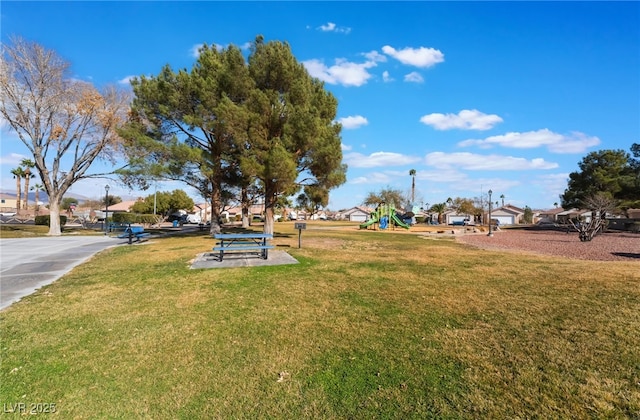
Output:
x=8 y=203
x=452 y=217
x=549 y=216
x=564 y=216
x=355 y=214
x=508 y=215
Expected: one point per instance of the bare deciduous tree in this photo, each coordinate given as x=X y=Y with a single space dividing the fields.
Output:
x=65 y=124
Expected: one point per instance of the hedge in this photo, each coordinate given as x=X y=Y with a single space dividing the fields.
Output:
x=44 y=220
x=126 y=218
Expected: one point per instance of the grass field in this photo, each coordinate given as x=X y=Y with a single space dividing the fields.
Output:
x=368 y=325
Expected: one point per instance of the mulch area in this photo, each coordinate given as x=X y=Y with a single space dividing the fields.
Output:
x=608 y=246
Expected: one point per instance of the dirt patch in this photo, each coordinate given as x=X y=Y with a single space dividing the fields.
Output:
x=609 y=246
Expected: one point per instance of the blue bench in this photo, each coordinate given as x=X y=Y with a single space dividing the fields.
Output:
x=136 y=232
x=246 y=243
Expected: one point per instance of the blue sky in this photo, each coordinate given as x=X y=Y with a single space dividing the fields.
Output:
x=507 y=96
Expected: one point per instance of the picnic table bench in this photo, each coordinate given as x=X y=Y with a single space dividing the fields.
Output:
x=131 y=232
x=255 y=243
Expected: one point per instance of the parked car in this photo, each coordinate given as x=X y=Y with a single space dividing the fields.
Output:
x=181 y=218
x=193 y=218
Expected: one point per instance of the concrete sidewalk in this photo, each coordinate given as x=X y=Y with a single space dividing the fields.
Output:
x=210 y=260
x=26 y=264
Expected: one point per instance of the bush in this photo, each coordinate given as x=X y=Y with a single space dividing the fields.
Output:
x=44 y=220
x=124 y=218
x=135 y=218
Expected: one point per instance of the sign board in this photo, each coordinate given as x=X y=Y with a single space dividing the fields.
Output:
x=300 y=226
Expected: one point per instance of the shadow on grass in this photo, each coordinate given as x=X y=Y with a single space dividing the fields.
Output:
x=626 y=254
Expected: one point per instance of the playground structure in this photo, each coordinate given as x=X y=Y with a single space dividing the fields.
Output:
x=384 y=215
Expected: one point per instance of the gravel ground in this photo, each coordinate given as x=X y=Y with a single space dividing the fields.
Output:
x=609 y=246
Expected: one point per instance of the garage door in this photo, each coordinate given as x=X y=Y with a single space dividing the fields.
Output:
x=358 y=218
x=504 y=220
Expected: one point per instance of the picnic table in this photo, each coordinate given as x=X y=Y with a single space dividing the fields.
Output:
x=252 y=243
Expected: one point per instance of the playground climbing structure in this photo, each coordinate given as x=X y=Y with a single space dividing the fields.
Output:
x=384 y=216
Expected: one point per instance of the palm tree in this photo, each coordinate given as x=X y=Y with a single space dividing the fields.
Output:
x=18 y=173
x=37 y=188
x=439 y=208
x=28 y=164
x=412 y=173
x=449 y=201
x=555 y=204
x=502 y=197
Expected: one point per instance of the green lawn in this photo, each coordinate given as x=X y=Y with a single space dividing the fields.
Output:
x=368 y=325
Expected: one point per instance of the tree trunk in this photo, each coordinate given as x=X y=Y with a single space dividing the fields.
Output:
x=413 y=190
x=244 y=202
x=26 y=189
x=270 y=197
x=54 y=217
x=215 y=211
x=18 y=193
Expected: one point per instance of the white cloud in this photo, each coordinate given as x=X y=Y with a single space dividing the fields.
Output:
x=372 y=178
x=328 y=27
x=386 y=77
x=463 y=120
x=195 y=50
x=475 y=162
x=552 y=184
x=413 y=77
x=343 y=72
x=358 y=160
x=12 y=159
x=352 y=122
x=575 y=142
x=419 y=57
x=126 y=80
x=345 y=147
x=375 y=56
x=332 y=27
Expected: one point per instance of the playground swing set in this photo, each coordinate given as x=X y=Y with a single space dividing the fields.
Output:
x=384 y=216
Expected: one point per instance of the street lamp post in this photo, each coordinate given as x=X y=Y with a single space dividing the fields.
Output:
x=106 y=211
x=490 y=231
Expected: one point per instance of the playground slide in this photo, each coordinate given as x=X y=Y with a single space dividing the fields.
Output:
x=399 y=222
x=369 y=223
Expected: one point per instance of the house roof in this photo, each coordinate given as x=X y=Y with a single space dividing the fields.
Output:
x=508 y=210
x=556 y=210
x=512 y=209
x=573 y=211
x=357 y=209
x=122 y=206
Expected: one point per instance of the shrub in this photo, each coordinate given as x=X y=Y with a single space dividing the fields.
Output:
x=124 y=218
x=44 y=220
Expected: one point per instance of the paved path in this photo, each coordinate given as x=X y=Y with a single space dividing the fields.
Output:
x=26 y=264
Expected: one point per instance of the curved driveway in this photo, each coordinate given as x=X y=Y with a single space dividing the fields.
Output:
x=26 y=264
